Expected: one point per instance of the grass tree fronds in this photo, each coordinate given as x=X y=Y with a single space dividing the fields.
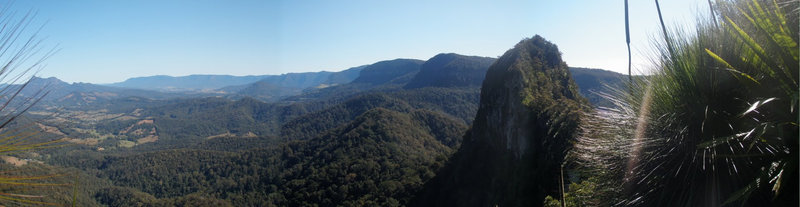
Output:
x=628 y=40
x=75 y=191
x=713 y=15
x=25 y=199
x=729 y=68
x=664 y=28
x=716 y=123
x=21 y=56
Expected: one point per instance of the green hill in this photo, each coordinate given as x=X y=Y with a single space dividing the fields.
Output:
x=451 y=70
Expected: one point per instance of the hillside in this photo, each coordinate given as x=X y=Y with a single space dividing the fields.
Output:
x=275 y=88
x=387 y=132
x=383 y=72
x=443 y=70
x=262 y=90
x=451 y=70
x=183 y=122
x=380 y=76
x=109 y=110
x=380 y=158
x=62 y=94
x=593 y=83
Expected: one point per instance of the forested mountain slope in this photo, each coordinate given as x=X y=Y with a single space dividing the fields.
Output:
x=373 y=141
x=451 y=70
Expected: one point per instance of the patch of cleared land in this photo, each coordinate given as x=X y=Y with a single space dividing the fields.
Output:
x=228 y=134
x=50 y=129
x=16 y=161
x=87 y=141
x=126 y=143
x=147 y=139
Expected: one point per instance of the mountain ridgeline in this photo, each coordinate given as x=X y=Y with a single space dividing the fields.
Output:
x=392 y=133
x=213 y=82
x=269 y=88
x=275 y=88
x=367 y=142
x=389 y=71
x=442 y=71
x=451 y=70
x=529 y=111
x=184 y=83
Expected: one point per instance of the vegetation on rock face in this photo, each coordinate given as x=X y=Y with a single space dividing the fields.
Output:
x=717 y=122
x=529 y=112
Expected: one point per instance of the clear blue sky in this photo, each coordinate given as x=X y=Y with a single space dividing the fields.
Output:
x=110 y=41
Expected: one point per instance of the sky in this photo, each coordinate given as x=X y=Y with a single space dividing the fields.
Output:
x=109 y=41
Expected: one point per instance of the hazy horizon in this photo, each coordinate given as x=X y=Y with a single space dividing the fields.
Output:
x=107 y=42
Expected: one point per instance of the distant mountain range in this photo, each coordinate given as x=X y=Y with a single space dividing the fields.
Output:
x=369 y=135
x=229 y=83
x=443 y=70
x=186 y=83
x=274 y=88
x=66 y=94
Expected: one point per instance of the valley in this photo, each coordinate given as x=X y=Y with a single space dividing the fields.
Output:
x=376 y=103
x=374 y=140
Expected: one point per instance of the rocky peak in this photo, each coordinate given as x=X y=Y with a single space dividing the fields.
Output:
x=519 y=88
x=529 y=110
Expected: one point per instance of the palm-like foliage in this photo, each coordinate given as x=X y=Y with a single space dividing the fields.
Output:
x=716 y=123
x=20 y=56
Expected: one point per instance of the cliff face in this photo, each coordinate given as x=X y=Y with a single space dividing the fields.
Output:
x=529 y=110
x=520 y=94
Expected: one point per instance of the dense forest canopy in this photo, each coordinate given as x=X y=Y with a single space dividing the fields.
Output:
x=714 y=124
